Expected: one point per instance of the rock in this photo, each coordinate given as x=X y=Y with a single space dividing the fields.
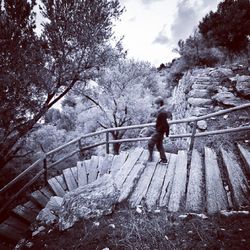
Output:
x=45 y=216
x=55 y=204
x=138 y=210
x=39 y=230
x=199 y=101
x=202 y=124
x=199 y=86
x=90 y=201
x=221 y=72
x=228 y=98
x=198 y=111
x=202 y=79
x=199 y=93
x=243 y=86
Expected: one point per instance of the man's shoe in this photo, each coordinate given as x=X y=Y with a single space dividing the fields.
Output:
x=165 y=161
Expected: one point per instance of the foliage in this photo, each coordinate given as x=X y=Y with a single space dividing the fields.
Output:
x=37 y=72
x=229 y=26
x=194 y=52
x=123 y=96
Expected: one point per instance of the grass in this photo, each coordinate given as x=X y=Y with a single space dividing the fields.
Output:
x=127 y=229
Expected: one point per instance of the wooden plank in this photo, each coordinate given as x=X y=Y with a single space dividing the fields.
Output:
x=142 y=186
x=75 y=174
x=32 y=206
x=118 y=161
x=25 y=213
x=82 y=174
x=46 y=191
x=10 y=233
x=92 y=168
x=155 y=187
x=194 y=189
x=39 y=198
x=216 y=198
x=132 y=179
x=56 y=187
x=168 y=181
x=105 y=165
x=238 y=180
x=60 y=179
x=245 y=153
x=179 y=182
x=16 y=223
x=69 y=179
x=122 y=174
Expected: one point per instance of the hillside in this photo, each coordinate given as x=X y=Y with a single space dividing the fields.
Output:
x=199 y=92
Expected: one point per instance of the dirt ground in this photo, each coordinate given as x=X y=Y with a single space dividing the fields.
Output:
x=128 y=229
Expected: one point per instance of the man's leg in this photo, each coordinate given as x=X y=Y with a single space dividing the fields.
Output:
x=151 y=144
x=160 y=148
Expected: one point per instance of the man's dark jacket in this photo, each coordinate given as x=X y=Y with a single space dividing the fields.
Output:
x=162 y=125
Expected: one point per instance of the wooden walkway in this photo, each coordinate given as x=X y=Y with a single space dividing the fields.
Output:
x=204 y=186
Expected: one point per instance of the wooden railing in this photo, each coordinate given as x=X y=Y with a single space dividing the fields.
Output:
x=107 y=142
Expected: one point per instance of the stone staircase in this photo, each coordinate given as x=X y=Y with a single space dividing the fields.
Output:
x=212 y=182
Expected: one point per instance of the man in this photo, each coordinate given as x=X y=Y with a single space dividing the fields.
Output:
x=161 y=128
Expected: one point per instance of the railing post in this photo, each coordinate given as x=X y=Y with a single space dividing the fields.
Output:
x=191 y=146
x=45 y=167
x=107 y=142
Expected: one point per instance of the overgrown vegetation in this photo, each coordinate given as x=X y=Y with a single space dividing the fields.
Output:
x=221 y=37
x=127 y=229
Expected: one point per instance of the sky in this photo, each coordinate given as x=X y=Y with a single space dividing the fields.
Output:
x=152 y=28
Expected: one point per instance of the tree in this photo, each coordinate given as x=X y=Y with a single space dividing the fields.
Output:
x=122 y=97
x=40 y=71
x=229 y=26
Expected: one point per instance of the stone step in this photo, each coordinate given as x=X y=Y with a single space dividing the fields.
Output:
x=199 y=86
x=199 y=101
x=238 y=180
x=216 y=198
x=245 y=153
x=199 y=111
x=194 y=189
x=199 y=93
x=179 y=182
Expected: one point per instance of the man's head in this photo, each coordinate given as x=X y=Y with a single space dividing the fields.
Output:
x=159 y=101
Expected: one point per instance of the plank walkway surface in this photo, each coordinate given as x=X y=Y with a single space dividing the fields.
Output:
x=174 y=186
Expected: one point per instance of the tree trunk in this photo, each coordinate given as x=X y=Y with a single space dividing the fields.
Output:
x=116 y=148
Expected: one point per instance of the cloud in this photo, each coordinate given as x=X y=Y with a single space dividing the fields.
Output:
x=185 y=20
x=161 y=38
x=189 y=14
x=150 y=1
x=132 y=19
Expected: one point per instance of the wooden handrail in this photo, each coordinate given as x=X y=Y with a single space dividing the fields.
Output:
x=109 y=130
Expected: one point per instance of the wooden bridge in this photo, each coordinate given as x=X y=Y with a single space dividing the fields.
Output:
x=191 y=181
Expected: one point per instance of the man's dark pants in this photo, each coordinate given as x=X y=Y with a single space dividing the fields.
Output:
x=156 y=139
